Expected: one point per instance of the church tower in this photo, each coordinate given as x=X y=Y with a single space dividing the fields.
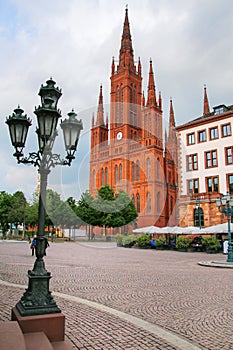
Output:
x=128 y=151
x=126 y=90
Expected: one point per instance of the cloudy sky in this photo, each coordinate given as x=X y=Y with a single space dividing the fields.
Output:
x=190 y=43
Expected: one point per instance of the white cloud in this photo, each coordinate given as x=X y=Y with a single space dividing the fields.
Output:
x=190 y=43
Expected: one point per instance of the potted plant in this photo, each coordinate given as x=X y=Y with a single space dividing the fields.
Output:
x=182 y=243
x=211 y=244
x=143 y=241
x=119 y=239
x=129 y=241
x=160 y=242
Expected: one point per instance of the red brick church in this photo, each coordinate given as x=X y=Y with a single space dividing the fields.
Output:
x=130 y=150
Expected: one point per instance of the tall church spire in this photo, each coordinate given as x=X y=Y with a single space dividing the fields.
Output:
x=126 y=58
x=171 y=142
x=100 y=111
x=206 y=108
x=151 y=97
x=172 y=124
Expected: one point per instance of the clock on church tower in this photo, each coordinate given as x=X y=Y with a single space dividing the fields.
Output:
x=119 y=135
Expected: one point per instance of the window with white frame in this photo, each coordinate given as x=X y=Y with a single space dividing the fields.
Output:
x=193 y=186
x=211 y=159
x=226 y=130
x=230 y=183
x=213 y=133
x=228 y=155
x=191 y=138
x=192 y=162
x=212 y=184
x=202 y=136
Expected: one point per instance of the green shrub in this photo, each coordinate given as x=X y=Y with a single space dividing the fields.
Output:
x=159 y=242
x=119 y=239
x=143 y=241
x=182 y=242
x=129 y=241
x=211 y=244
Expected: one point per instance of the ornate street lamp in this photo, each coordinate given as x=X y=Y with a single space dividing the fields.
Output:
x=225 y=205
x=37 y=299
x=198 y=211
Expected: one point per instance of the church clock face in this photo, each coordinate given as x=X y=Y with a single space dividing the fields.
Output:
x=119 y=135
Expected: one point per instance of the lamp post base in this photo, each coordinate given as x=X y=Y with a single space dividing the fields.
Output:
x=52 y=325
x=37 y=299
x=230 y=251
x=230 y=257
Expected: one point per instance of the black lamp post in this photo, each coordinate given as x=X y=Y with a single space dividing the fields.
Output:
x=198 y=211
x=37 y=299
x=225 y=205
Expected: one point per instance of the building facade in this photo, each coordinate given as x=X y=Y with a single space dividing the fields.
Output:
x=129 y=150
x=205 y=165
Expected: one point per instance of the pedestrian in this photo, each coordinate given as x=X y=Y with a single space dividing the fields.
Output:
x=33 y=245
x=46 y=246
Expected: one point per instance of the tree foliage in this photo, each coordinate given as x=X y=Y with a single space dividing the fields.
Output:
x=109 y=209
x=14 y=209
x=5 y=207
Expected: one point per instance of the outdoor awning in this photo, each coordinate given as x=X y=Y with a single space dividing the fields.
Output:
x=221 y=228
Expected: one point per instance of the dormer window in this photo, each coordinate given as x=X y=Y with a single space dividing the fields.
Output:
x=220 y=109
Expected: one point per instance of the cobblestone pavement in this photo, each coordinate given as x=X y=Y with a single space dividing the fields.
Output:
x=164 y=289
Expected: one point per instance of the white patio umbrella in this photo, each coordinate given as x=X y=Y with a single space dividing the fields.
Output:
x=221 y=228
x=182 y=230
x=193 y=230
x=172 y=229
x=148 y=229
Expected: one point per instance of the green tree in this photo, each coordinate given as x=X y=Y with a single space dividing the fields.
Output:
x=17 y=211
x=5 y=206
x=108 y=209
x=53 y=208
x=72 y=212
x=85 y=211
x=12 y=209
x=114 y=210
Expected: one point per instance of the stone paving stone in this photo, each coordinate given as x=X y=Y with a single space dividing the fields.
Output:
x=165 y=288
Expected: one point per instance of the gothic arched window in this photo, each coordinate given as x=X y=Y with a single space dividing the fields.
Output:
x=120 y=173
x=157 y=168
x=116 y=174
x=148 y=168
x=106 y=175
x=148 y=202
x=94 y=179
x=102 y=177
x=133 y=171
x=171 y=204
x=137 y=170
x=158 y=203
x=138 y=202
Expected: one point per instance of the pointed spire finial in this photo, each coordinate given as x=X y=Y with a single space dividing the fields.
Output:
x=143 y=99
x=206 y=107
x=151 y=97
x=139 y=67
x=113 y=65
x=160 y=100
x=172 y=118
x=100 y=111
x=126 y=57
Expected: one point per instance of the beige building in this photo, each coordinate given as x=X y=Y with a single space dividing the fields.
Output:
x=205 y=165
